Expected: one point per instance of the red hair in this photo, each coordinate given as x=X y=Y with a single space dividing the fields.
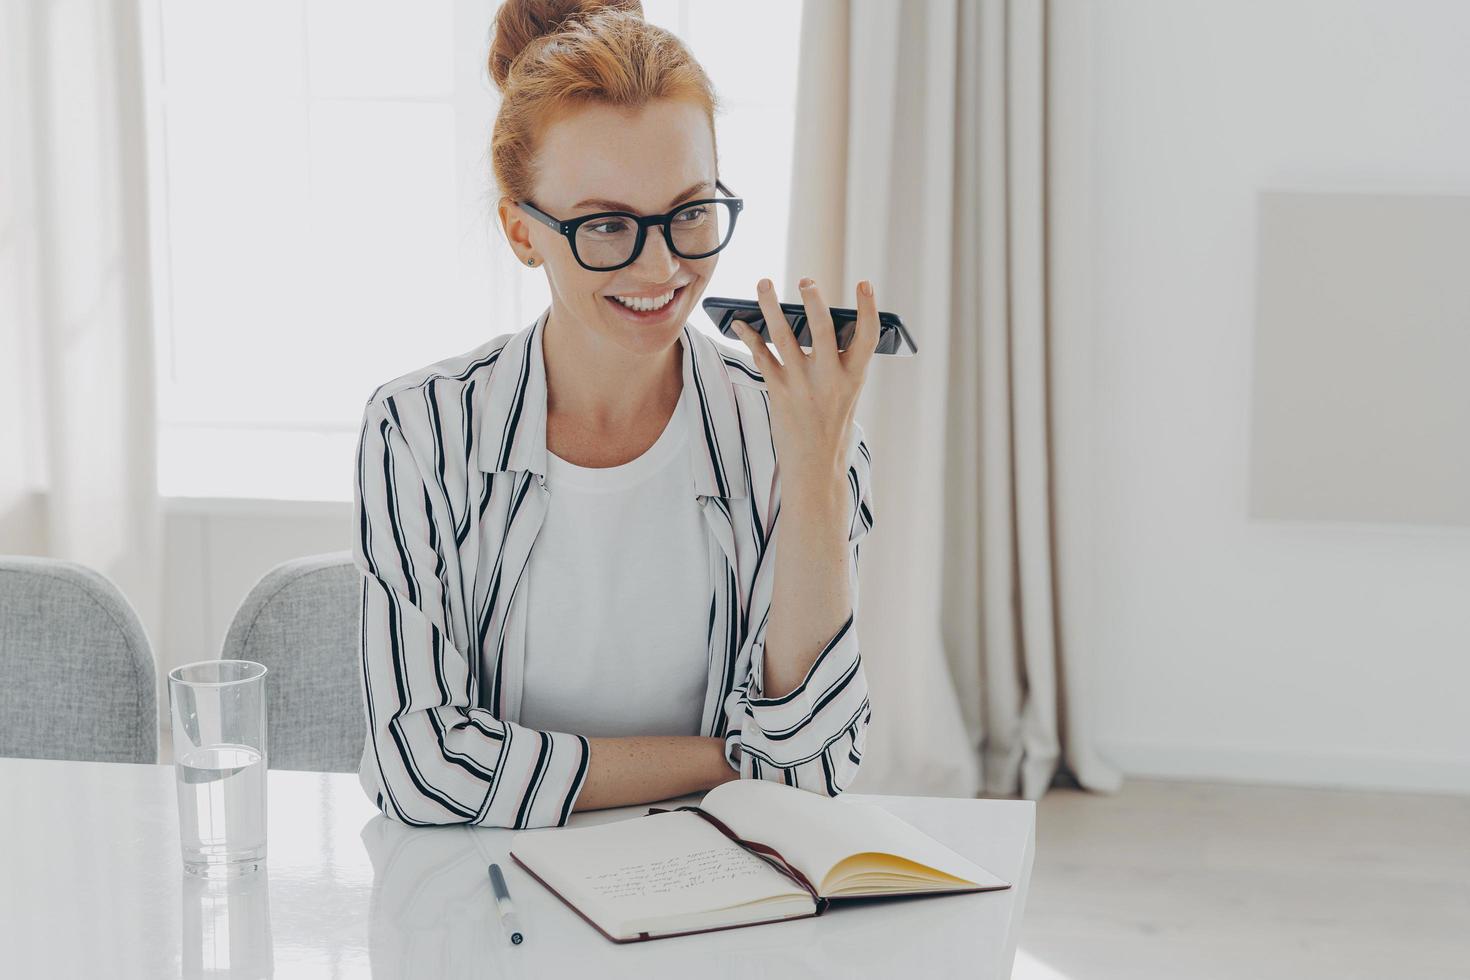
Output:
x=550 y=57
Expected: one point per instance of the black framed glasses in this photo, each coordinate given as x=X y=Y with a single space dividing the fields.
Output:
x=610 y=240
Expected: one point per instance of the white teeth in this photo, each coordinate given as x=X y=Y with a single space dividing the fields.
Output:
x=646 y=305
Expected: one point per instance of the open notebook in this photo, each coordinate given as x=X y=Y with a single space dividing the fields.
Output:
x=753 y=851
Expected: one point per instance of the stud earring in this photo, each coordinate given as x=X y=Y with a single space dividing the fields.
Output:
x=530 y=262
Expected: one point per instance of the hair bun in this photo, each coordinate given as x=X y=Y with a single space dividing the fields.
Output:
x=521 y=22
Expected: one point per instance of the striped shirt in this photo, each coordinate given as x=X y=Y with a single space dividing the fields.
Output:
x=450 y=492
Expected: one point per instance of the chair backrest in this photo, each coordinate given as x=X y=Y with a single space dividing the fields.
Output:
x=76 y=671
x=302 y=621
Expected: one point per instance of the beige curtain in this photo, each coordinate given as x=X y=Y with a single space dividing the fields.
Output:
x=77 y=427
x=939 y=152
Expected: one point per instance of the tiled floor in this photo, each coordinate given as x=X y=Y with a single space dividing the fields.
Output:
x=1188 y=880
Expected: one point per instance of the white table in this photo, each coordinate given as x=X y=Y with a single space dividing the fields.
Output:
x=92 y=885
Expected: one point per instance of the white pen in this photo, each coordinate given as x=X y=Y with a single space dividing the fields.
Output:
x=507 y=911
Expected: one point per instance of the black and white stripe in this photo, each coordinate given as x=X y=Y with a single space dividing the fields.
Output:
x=450 y=494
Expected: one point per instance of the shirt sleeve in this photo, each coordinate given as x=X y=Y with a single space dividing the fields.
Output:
x=432 y=756
x=813 y=736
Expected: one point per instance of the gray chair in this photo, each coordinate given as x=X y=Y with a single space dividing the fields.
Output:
x=76 y=671
x=302 y=620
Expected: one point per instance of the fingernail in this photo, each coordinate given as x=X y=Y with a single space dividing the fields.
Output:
x=764 y=285
x=806 y=281
x=866 y=288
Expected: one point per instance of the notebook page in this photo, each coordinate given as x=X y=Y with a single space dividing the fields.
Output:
x=892 y=835
x=816 y=832
x=651 y=866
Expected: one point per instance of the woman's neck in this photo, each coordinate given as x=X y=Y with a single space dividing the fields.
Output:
x=598 y=387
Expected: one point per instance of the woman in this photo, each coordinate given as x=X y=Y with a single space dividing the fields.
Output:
x=666 y=632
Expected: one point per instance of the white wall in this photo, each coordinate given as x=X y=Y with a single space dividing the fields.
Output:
x=215 y=551
x=1232 y=648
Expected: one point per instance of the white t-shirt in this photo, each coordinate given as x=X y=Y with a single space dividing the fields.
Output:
x=617 y=598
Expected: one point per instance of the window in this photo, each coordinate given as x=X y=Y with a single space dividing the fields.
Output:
x=323 y=213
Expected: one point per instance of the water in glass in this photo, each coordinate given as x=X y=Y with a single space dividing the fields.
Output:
x=221 y=788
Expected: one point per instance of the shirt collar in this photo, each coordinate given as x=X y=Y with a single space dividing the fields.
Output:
x=513 y=425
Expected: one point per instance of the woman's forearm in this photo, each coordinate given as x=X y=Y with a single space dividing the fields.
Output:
x=810 y=598
x=649 y=768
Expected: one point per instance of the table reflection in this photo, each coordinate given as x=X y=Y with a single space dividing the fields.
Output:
x=346 y=893
x=227 y=927
x=432 y=913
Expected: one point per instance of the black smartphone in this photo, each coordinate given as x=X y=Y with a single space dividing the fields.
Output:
x=892 y=337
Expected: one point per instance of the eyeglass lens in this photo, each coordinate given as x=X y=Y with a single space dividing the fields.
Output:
x=696 y=230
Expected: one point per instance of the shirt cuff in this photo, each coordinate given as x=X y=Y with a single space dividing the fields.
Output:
x=539 y=776
x=787 y=728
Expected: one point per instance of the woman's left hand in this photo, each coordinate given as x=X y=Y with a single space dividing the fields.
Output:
x=813 y=396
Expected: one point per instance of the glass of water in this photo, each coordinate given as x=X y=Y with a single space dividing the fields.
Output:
x=218 y=711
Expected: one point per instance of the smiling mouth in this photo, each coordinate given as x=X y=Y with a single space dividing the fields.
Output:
x=643 y=311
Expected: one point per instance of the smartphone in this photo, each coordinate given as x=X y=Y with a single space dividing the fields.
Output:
x=892 y=337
